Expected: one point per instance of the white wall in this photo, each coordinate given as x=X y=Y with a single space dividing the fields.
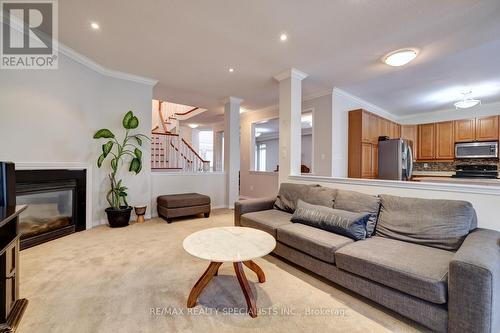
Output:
x=321 y=159
x=51 y=116
x=211 y=184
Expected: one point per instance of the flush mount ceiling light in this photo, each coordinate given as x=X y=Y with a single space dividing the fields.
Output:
x=283 y=37
x=231 y=70
x=400 y=57
x=193 y=125
x=467 y=101
x=94 y=25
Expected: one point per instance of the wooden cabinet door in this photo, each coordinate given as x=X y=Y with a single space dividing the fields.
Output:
x=487 y=128
x=465 y=130
x=384 y=127
x=375 y=161
x=426 y=142
x=366 y=160
x=374 y=128
x=366 y=131
x=445 y=140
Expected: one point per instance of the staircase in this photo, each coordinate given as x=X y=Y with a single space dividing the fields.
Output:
x=170 y=152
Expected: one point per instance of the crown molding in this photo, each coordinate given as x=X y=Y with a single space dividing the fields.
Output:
x=91 y=64
x=291 y=73
x=366 y=105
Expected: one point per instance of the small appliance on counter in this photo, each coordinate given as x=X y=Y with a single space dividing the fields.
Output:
x=476 y=171
x=395 y=159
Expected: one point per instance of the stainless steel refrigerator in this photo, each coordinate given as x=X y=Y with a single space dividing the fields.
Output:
x=395 y=159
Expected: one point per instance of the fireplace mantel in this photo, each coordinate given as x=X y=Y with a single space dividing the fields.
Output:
x=68 y=166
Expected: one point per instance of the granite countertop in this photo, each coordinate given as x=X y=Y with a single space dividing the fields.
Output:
x=465 y=181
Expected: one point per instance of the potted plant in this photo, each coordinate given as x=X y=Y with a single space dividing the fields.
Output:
x=128 y=151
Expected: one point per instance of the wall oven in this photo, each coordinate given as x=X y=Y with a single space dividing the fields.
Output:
x=487 y=149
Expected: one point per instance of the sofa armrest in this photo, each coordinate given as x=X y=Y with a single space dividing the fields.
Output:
x=474 y=284
x=251 y=205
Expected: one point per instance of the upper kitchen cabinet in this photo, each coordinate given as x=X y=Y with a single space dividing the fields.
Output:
x=476 y=129
x=426 y=142
x=487 y=128
x=445 y=140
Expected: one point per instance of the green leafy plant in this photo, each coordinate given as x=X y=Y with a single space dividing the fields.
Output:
x=128 y=151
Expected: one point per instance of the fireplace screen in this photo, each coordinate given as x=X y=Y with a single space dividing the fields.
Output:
x=47 y=211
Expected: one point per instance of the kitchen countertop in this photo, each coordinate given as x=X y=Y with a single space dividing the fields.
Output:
x=464 y=181
x=434 y=173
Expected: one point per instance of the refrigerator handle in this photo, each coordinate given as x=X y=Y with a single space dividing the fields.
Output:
x=409 y=161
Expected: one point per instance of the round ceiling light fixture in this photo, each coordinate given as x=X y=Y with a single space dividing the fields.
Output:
x=283 y=37
x=193 y=125
x=231 y=70
x=400 y=57
x=94 y=25
x=467 y=102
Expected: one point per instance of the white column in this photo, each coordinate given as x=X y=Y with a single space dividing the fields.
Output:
x=290 y=111
x=232 y=148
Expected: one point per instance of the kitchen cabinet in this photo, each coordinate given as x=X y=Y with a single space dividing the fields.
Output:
x=445 y=140
x=426 y=143
x=487 y=128
x=363 y=132
x=477 y=129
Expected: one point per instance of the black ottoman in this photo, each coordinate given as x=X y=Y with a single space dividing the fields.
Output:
x=185 y=204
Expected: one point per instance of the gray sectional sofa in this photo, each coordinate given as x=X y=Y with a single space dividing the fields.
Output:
x=425 y=259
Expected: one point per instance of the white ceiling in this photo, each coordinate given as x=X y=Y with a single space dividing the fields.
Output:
x=189 y=45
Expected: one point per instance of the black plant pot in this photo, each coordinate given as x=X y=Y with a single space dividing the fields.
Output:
x=118 y=218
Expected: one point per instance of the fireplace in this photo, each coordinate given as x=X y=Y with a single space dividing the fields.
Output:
x=56 y=202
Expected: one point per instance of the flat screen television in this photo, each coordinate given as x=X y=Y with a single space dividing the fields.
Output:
x=7 y=184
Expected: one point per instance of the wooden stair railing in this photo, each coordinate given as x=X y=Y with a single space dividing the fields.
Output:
x=169 y=151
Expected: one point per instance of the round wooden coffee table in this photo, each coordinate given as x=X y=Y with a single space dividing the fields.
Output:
x=238 y=245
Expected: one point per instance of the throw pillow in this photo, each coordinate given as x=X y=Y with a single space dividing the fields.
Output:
x=357 y=202
x=349 y=224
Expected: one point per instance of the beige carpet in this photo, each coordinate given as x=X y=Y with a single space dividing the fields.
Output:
x=137 y=279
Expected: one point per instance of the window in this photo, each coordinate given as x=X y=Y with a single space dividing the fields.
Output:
x=206 y=146
x=261 y=157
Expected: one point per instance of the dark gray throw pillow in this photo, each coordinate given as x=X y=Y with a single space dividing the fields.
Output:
x=349 y=224
x=290 y=193
x=357 y=202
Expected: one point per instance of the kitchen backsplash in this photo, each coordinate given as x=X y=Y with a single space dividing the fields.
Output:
x=450 y=166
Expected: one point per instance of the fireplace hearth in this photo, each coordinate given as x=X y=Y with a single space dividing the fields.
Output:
x=56 y=202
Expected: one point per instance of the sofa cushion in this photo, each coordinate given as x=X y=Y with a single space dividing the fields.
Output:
x=318 y=243
x=359 y=203
x=182 y=200
x=266 y=220
x=314 y=194
x=342 y=222
x=438 y=223
x=417 y=270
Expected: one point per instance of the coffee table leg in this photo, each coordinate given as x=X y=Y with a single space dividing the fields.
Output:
x=242 y=279
x=256 y=269
x=202 y=283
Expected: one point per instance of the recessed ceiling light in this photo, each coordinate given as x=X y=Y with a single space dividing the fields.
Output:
x=231 y=70
x=400 y=57
x=283 y=37
x=94 y=25
x=193 y=125
x=467 y=102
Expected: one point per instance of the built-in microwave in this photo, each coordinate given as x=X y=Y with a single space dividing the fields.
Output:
x=485 y=149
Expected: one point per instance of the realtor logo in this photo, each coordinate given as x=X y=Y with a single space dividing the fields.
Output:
x=29 y=34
